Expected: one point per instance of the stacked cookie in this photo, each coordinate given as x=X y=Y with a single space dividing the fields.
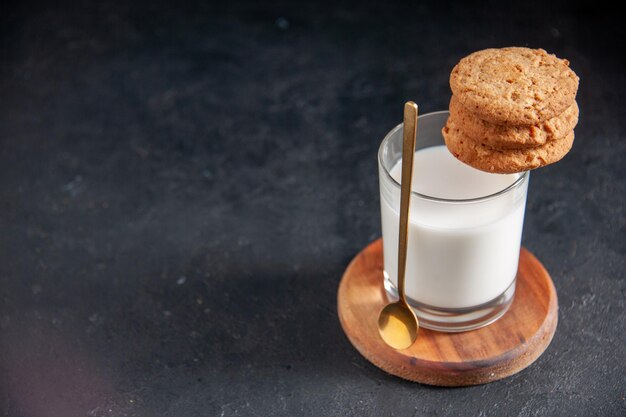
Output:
x=512 y=109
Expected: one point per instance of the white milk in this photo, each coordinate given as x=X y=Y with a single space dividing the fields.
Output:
x=459 y=254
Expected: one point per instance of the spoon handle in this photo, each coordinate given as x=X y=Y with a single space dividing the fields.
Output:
x=408 y=150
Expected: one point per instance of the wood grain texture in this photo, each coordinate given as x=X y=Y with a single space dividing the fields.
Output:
x=451 y=359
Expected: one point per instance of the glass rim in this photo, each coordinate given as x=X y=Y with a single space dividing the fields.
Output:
x=387 y=138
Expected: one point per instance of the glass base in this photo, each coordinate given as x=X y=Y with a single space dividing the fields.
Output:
x=456 y=319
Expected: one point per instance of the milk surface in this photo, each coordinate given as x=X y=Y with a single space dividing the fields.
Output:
x=459 y=254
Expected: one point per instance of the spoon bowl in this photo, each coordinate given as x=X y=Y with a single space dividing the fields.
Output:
x=398 y=325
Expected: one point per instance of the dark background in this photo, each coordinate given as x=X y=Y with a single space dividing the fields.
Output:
x=182 y=186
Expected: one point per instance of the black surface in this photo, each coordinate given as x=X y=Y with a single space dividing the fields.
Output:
x=182 y=186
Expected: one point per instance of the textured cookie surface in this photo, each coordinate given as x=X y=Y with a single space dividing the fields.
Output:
x=512 y=137
x=514 y=86
x=485 y=158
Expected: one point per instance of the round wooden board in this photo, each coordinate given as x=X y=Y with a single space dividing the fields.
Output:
x=493 y=352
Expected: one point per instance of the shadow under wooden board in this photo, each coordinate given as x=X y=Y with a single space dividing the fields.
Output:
x=493 y=352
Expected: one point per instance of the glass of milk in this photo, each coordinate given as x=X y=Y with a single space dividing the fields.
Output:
x=465 y=229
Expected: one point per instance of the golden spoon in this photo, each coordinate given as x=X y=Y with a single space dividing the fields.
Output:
x=397 y=323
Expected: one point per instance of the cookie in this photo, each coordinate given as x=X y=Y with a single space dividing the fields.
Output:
x=481 y=156
x=513 y=137
x=514 y=86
